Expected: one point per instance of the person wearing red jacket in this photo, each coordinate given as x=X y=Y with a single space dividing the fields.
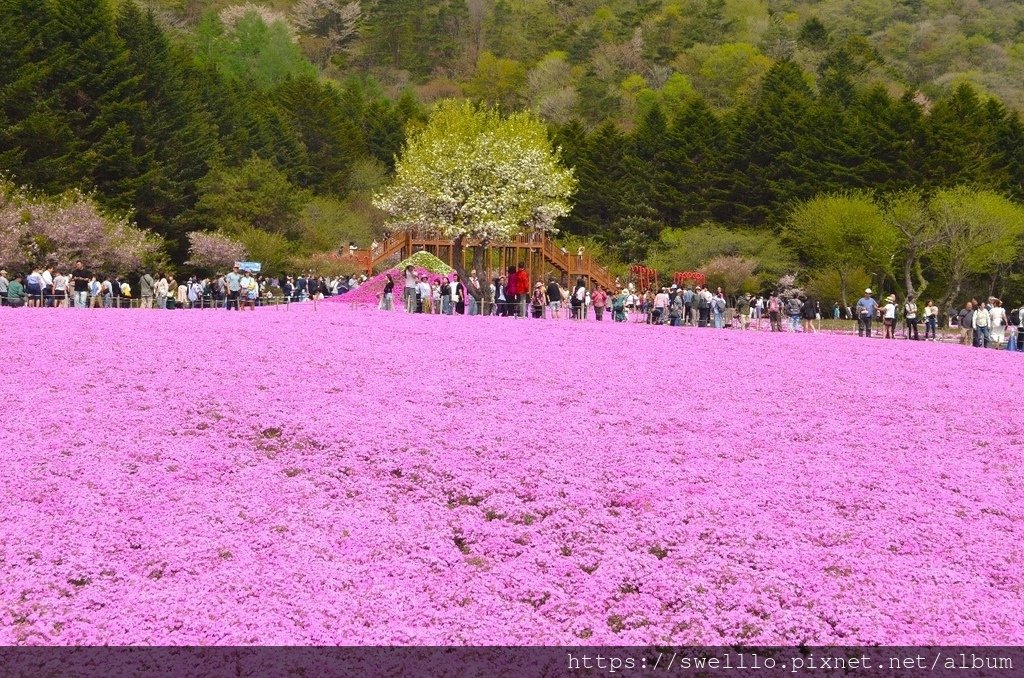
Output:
x=522 y=289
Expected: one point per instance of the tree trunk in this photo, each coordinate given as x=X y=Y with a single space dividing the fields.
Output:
x=956 y=280
x=478 y=265
x=459 y=264
x=842 y=289
x=908 y=279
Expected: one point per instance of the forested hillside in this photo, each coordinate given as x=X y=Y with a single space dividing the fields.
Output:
x=596 y=59
x=274 y=123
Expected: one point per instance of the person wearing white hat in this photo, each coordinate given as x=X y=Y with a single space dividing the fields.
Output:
x=867 y=307
x=889 y=316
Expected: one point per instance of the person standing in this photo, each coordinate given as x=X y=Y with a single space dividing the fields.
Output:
x=718 y=306
x=160 y=290
x=889 y=316
x=554 y=297
x=687 y=306
x=425 y=295
x=195 y=293
x=409 y=291
x=910 y=315
x=232 y=285
x=794 y=307
x=619 y=305
x=146 y=289
x=808 y=314
x=4 y=285
x=965 y=319
x=181 y=297
x=675 y=310
x=867 y=307
x=34 y=288
x=997 y=323
x=659 y=307
x=982 y=324
x=775 y=313
x=80 y=279
x=248 y=290
x=522 y=288
x=600 y=299
x=538 y=301
x=47 y=286
x=579 y=295
x=458 y=294
x=743 y=310
x=931 y=319
x=60 y=289
x=446 y=297
x=388 y=300
x=473 y=292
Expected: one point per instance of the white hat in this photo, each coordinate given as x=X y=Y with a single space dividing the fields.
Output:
x=867 y=291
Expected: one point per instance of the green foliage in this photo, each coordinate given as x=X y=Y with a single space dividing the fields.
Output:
x=692 y=249
x=250 y=50
x=255 y=194
x=272 y=250
x=425 y=260
x=328 y=224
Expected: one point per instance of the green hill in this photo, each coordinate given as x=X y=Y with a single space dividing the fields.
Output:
x=591 y=59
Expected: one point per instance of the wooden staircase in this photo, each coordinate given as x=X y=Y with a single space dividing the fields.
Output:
x=538 y=250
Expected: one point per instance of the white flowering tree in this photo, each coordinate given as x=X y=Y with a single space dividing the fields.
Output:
x=472 y=173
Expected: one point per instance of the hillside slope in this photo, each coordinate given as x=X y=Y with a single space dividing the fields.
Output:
x=590 y=58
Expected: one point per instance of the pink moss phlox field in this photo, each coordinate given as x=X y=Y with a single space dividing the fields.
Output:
x=323 y=476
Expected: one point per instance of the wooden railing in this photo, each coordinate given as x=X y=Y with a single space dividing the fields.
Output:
x=573 y=265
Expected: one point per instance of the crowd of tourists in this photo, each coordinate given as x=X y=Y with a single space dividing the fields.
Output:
x=235 y=290
x=980 y=324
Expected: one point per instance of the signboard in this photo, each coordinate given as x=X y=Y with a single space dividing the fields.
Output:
x=251 y=266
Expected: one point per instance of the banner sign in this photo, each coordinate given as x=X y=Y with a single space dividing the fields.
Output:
x=251 y=266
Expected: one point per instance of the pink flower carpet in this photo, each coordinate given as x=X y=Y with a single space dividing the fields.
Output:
x=333 y=476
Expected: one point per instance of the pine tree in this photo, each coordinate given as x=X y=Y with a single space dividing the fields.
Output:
x=37 y=143
x=958 y=138
x=771 y=164
x=696 y=145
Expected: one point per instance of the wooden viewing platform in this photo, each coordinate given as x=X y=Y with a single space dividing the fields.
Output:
x=540 y=254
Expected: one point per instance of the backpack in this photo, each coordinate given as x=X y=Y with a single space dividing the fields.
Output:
x=719 y=306
x=581 y=293
x=773 y=304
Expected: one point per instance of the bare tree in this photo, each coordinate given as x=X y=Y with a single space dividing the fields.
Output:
x=335 y=22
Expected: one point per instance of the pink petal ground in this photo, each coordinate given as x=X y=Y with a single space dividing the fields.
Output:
x=332 y=476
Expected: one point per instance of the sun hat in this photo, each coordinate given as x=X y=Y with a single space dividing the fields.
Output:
x=891 y=297
x=867 y=291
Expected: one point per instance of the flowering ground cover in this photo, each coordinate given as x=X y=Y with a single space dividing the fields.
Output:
x=423 y=263
x=332 y=476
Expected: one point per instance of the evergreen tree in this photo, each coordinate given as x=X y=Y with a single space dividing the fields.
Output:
x=331 y=141
x=958 y=138
x=37 y=143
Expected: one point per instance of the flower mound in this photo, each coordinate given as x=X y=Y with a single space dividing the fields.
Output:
x=423 y=263
x=527 y=482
